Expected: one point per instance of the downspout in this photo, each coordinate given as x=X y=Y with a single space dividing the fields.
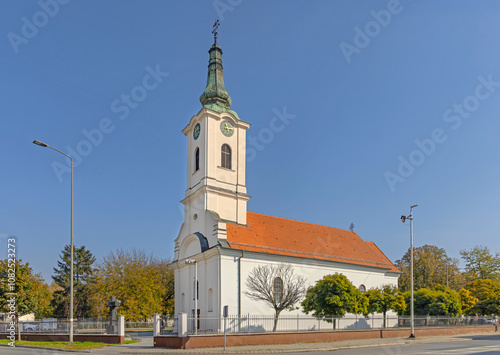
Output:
x=239 y=291
x=219 y=281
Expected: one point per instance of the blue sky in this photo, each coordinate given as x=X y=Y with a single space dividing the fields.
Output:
x=393 y=104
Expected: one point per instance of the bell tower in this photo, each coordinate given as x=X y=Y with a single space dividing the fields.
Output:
x=216 y=154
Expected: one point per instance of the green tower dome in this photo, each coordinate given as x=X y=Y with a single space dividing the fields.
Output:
x=215 y=96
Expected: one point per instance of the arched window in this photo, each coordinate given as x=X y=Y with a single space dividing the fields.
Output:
x=183 y=302
x=362 y=288
x=226 y=156
x=197 y=159
x=210 y=300
x=278 y=289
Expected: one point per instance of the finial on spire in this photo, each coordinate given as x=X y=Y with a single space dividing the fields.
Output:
x=214 y=31
x=215 y=97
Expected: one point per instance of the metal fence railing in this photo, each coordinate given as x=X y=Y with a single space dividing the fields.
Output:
x=214 y=324
x=53 y=325
x=289 y=323
x=139 y=325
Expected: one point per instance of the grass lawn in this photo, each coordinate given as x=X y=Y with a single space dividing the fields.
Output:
x=64 y=344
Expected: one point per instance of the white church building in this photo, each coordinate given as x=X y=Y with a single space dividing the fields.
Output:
x=220 y=242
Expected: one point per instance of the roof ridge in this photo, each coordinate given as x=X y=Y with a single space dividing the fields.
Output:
x=309 y=223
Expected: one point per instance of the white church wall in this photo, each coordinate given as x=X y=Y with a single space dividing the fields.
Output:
x=208 y=278
x=312 y=270
x=229 y=282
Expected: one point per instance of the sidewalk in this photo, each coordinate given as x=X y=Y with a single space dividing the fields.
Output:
x=145 y=347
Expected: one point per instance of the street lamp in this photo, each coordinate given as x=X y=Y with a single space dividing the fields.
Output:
x=192 y=261
x=403 y=219
x=71 y=311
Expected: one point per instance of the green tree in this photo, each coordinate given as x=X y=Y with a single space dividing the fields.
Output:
x=488 y=294
x=29 y=294
x=481 y=264
x=431 y=267
x=82 y=275
x=381 y=300
x=168 y=283
x=438 y=301
x=334 y=295
x=136 y=279
x=468 y=301
x=277 y=286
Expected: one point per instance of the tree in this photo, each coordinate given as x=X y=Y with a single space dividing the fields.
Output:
x=28 y=294
x=431 y=267
x=438 y=301
x=168 y=283
x=334 y=295
x=381 y=300
x=481 y=264
x=275 y=285
x=488 y=294
x=140 y=281
x=468 y=301
x=82 y=275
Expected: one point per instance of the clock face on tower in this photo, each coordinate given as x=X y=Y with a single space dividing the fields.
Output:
x=196 y=131
x=226 y=128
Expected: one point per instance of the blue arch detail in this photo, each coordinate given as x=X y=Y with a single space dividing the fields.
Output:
x=203 y=241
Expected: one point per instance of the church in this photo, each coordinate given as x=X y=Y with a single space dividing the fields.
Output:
x=220 y=242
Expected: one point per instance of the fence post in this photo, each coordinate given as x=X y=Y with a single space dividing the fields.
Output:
x=156 y=324
x=121 y=325
x=298 y=323
x=182 y=328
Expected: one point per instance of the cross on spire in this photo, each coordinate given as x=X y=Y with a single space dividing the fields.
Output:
x=214 y=31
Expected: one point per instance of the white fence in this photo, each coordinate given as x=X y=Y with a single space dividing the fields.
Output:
x=289 y=323
x=253 y=324
x=60 y=326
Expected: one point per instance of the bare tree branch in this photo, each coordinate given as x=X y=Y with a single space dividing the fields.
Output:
x=260 y=287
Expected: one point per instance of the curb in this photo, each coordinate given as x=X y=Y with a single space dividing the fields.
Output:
x=124 y=350
x=47 y=348
x=273 y=351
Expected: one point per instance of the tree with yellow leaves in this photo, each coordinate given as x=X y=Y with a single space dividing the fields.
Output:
x=30 y=292
x=142 y=283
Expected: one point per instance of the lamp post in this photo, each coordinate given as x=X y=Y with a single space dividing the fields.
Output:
x=403 y=219
x=192 y=261
x=71 y=311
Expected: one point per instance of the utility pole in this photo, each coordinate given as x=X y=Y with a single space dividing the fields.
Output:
x=412 y=309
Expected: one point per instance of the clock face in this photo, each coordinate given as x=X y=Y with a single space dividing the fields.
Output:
x=196 y=131
x=226 y=128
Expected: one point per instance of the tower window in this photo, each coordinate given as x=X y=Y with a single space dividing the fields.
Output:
x=197 y=159
x=278 y=289
x=226 y=156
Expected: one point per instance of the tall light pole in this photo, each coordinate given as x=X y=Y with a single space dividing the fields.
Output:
x=192 y=261
x=71 y=311
x=403 y=219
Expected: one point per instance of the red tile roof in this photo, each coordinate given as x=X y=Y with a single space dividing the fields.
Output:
x=293 y=238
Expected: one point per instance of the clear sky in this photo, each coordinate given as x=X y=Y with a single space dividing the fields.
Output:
x=388 y=104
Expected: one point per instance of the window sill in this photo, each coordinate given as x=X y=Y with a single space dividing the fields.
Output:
x=197 y=171
x=220 y=167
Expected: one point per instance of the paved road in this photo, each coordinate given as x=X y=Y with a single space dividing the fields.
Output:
x=484 y=345
x=464 y=345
